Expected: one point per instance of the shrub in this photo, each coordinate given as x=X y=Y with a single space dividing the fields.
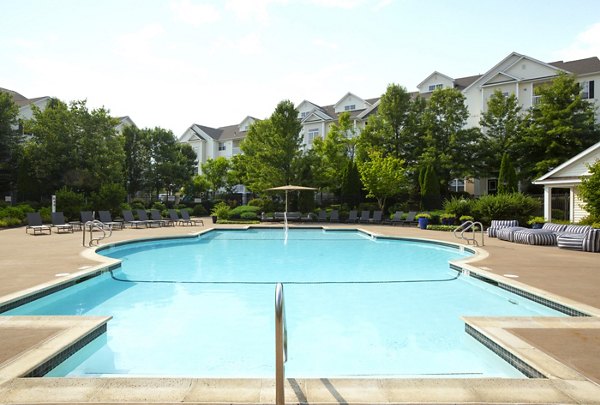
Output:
x=423 y=215
x=458 y=206
x=446 y=228
x=264 y=204
x=596 y=225
x=248 y=215
x=536 y=220
x=590 y=190
x=10 y=221
x=448 y=219
x=46 y=214
x=109 y=197
x=70 y=203
x=138 y=204
x=221 y=211
x=124 y=207
x=238 y=211
x=466 y=218
x=18 y=211
x=199 y=211
x=226 y=221
x=157 y=205
x=505 y=206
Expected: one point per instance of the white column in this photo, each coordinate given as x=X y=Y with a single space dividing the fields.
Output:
x=547 y=203
x=572 y=204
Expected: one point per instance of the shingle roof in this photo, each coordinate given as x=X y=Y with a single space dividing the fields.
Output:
x=580 y=66
x=464 y=82
x=18 y=99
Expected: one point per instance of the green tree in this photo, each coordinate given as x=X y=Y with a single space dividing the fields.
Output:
x=9 y=142
x=110 y=197
x=351 y=185
x=507 y=179
x=447 y=145
x=382 y=177
x=72 y=146
x=502 y=126
x=430 y=190
x=136 y=145
x=559 y=126
x=589 y=189
x=215 y=171
x=272 y=147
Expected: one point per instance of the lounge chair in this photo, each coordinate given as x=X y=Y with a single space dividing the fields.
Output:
x=501 y=224
x=58 y=222
x=352 y=216
x=34 y=222
x=334 y=216
x=86 y=216
x=507 y=233
x=143 y=216
x=174 y=217
x=410 y=219
x=364 y=216
x=185 y=216
x=106 y=219
x=310 y=217
x=322 y=216
x=396 y=219
x=546 y=236
x=587 y=241
x=155 y=216
x=376 y=217
x=128 y=219
x=294 y=216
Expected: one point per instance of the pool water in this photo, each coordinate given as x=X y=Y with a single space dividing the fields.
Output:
x=355 y=305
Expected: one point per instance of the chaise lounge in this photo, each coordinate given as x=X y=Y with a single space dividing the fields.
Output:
x=498 y=225
x=546 y=236
x=34 y=220
x=58 y=222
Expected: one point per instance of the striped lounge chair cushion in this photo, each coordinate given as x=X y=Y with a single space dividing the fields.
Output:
x=577 y=228
x=549 y=226
x=592 y=241
x=500 y=224
x=508 y=233
x=571 y=240
x=529 y=237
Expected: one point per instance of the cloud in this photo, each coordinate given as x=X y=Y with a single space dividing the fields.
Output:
x=345 y=4
x=586 y=44
x=255 y=10
x=195 y=13
x=322 y=43
x=382 y=4
x=140 y=42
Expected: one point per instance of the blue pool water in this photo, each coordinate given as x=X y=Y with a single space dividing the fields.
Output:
x=356 y=306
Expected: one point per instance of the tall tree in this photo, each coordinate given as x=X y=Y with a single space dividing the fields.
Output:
x=215 y=172
x=507 y=179
x=559 y=126
x=351 y=185
x=430 y=190
x=136 y=145
x=9 y=142
x=383 y=177
x=502 y=130
x=449 y=147
x=590 y=191
x=272 y=147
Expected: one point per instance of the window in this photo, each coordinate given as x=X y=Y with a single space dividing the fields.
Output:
x=587 y=89
x=312 y=134
x=303 y=114
x=221 y=146
x=505 y=94
x=350 y=107
x=433 y=87
x=492 y=186
x=457 y=185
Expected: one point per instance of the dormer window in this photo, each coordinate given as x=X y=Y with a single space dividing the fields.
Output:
x=433 y=87
x=222 y=146
x=350 y=107
x=303 y=114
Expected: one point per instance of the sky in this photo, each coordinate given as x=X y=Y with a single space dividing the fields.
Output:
x=173 y=63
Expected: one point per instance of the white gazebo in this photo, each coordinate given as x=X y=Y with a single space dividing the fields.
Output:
x=568 y=175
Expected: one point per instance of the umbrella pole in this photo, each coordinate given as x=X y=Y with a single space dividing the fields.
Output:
x=286 y=205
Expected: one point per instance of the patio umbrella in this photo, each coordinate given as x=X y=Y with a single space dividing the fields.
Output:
x=290 y=188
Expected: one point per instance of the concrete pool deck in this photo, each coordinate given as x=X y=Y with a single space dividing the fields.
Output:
x=567 y=349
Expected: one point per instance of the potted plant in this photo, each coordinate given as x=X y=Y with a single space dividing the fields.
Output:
x=423 y=219
x=448 y=219
x=220 y=211
x=536 y=222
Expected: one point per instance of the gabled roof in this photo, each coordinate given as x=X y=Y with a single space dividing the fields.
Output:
x=580 y=66
x=435 y=72
x=345 y=96
x=589 y=152
x=320 y=114
x=464 y=82
x=18 y=98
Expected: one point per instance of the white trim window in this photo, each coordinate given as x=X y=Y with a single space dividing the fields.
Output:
x=303 y=114
x=350 y=107
x=312 y=134
x=587 y=89
x=457 y=185
x=222 y=146
x=433 y=87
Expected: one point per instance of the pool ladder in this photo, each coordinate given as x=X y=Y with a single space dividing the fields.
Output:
x=466 y=226
x=280 y=345
x=90 y=226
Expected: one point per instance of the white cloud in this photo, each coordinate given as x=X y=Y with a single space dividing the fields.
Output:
x=586 y=44
x=195 y=13
x=322 y=43
x=255 y=10
x=382 y=4
x=141 y=42
x=250 y=44
x=345 y=4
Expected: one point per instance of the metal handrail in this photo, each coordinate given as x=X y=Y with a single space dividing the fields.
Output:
x=95 y=224
x=280 y=345
x=467 y=225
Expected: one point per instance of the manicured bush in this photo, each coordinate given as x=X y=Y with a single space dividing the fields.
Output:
x=466 y=218
x=249 y=216
x=238 y=211
x=157 y=205
x=9 y=221
x=505 y=206
x=109 y=198
x=458 y=206
x=448 y=219
x=138 y=204
x=446 y=228
x=221 y=211
x=264 y=204
x=70 y=203
x=536 y=220
x=199 y=210
x=237 y=221
x=18 y=211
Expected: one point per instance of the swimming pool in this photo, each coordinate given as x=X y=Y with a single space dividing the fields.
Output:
x=356 y=306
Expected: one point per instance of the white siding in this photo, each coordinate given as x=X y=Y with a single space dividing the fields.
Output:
x=436 y=79
x=348 y=101
x=578 y=211
x=579 y=168
x=526 y=69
